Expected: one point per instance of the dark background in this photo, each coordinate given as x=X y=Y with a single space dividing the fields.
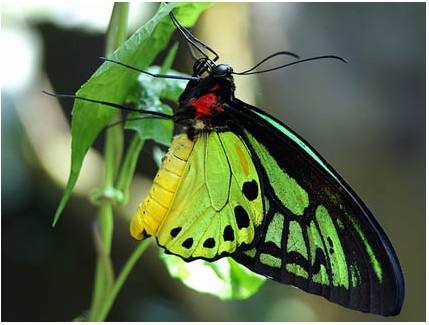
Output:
x=367 y=118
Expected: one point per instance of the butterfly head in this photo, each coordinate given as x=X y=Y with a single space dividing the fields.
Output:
x=222 y=70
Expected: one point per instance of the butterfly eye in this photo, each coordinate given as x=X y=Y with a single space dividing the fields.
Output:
x=222 y=70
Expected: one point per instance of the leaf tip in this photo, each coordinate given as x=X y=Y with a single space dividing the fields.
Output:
x=56 y=217
x=58 y=214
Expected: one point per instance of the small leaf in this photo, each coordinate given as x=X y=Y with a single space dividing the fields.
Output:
x=146 y=95
x=112 y=82
x=172 y=89
x=163 y=88
x=224 y=278
x=149 y=127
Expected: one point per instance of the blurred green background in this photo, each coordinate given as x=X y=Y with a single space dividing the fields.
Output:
x=366 y=118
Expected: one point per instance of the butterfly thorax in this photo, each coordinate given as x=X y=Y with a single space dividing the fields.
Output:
x=202 y=104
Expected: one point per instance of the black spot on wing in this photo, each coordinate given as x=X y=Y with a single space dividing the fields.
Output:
x=188 y=243
x=228 y=233
x=320 y=259
x=331 y=246
x=250 y=190
x=241 y=217
x=174 y=232
x=209 y=243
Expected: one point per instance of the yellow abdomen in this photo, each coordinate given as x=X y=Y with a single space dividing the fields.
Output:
x=152 y=211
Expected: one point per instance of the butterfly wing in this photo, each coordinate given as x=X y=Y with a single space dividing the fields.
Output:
x=318 y=235
x=216 y=207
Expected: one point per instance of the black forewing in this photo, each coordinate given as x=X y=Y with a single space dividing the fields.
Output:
x=322 y=184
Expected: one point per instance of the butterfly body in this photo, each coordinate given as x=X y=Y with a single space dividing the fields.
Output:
x=201 y=108
x=253 y=189
x=152 y=211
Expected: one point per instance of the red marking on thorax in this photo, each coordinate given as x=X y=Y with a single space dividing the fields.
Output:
x=206 y=105
x=215 y=87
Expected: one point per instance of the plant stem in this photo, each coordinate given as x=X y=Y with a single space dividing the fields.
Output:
x=103 y=277
x=116 y=35
x=132 y=260
x=129 y=166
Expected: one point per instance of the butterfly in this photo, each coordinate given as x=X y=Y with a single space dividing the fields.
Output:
x=238 y=182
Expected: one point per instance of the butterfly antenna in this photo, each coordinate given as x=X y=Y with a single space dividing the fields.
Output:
x=296 y=56
x=189 y=40
x=155 y=75
x=191 y=51
x=132 y=119
x=192 y=39
x=244 y=73
x=114 y=105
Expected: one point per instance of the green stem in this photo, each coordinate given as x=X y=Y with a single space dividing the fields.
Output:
x=129 y=166
x=116 y=35
x=103 y=277
x=132 y=260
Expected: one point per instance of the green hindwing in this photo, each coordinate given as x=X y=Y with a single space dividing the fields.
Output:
x=316 y=234
x=217 y=206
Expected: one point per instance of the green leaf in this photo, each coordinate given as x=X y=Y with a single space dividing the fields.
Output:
x=149 y=127
x=225 y=278
x=146 y=95
x=112 y=82
x=147 y=91
x=169 y=89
